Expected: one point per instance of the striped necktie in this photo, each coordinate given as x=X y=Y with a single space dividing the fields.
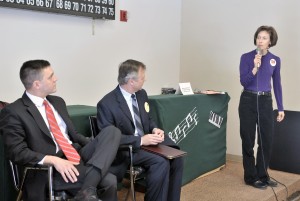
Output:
x=137 y=118
x=66 y=147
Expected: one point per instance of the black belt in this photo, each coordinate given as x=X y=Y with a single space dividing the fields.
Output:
x=260 y=93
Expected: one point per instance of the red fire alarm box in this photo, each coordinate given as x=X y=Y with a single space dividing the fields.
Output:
x=123 y=15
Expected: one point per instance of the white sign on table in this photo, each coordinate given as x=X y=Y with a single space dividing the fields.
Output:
x=185 y=89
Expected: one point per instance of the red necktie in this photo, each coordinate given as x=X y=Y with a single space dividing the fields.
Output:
x=67 y=148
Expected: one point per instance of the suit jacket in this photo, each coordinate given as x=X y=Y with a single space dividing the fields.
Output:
x=27 y=139
x=26 y=136
x=112 y=109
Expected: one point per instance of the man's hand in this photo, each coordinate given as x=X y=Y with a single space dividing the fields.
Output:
x=153 y=139
x=66 y=168
x=159 y=132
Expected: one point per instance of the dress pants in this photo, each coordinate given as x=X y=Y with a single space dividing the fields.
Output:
x=100 y=152
x=163 y=176
x=256 y=113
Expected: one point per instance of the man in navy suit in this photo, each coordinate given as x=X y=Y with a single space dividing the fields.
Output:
x=30 y=140
x=163 y=179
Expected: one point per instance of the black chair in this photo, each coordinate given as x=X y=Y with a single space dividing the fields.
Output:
x=134 y=172
x=55 y=194
x=18 y=183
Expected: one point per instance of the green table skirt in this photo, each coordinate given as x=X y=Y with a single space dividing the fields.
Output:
x=197 y=123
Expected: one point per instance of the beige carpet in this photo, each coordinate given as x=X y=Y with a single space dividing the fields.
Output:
x=228 y=185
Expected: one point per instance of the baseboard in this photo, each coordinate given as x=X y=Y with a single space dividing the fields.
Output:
x=234 y=158
x=212 y=171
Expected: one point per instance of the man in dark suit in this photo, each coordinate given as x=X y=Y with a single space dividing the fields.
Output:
x=118 y=108
x=30 y=139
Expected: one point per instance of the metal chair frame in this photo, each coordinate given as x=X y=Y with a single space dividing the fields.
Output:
x=19 y=185
x=54 y=194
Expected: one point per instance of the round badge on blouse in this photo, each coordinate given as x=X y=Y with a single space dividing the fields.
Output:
x=147 y=108
x=273 y=62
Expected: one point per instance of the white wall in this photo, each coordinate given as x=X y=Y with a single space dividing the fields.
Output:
x=203 y=39
x=86 y=64
x=215 y=33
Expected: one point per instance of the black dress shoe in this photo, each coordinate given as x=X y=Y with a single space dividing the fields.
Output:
x=88 y=194
x=258 y=184
x=271 y=183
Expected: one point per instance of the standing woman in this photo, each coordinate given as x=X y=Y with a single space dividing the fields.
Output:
x=257 y=68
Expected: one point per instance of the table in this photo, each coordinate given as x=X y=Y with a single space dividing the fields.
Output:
x=197 y=123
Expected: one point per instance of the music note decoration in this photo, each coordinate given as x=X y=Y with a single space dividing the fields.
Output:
x=185 y=126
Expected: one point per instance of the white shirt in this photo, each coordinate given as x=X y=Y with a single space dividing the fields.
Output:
x=128 y=99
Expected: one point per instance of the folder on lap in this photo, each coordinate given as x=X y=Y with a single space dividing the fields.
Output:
x=165 y=151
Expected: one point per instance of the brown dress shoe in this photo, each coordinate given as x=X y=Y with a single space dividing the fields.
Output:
x=88 y=194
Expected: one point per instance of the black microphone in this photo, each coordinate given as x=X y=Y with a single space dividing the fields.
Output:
x=259 y=52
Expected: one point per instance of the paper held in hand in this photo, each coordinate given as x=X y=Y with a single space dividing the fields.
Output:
x=165 y=151
x=185 y=89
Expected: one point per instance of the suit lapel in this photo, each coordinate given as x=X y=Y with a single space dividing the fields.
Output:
x=31 y=108
x=58 y=107
x=141 y=104
x=123 y=104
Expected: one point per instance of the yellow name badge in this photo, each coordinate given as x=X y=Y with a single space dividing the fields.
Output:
x=147 y=108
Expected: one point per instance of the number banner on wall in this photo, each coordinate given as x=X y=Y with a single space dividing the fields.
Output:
x=98 y=9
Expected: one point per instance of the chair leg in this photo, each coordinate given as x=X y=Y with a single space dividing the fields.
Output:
x=50 y=178
x=19 y=198
x=132 y=177
x=131 y=188
x=132 y=183
x=20 y=194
